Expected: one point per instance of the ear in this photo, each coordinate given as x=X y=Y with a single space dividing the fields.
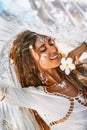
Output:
x=34 y=54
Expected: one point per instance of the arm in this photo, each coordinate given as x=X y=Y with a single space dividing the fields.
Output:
x=29 y=97
x=77 y=52
x=16 y=96
x=21 y=97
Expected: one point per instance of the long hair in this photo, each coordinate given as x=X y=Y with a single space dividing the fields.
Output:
x=28 y=73
x=24 y=64
x=78 y=77
x=27 y=70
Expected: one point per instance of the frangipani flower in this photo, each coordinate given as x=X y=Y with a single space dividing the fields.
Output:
x=67 y=65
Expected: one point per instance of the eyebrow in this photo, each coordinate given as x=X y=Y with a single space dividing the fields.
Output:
x=41 y=46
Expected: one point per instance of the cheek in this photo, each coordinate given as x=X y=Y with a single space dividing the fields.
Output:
x=43 y=57
x=43 y=60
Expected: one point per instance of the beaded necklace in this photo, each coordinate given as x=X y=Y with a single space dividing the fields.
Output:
x=70 y=110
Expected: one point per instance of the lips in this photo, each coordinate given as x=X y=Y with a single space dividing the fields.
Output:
x=54 y=57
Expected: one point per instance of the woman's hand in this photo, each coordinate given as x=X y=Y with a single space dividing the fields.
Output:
x=77 y=52
x=3 y=90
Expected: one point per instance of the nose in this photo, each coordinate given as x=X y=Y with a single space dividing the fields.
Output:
x=52 y=49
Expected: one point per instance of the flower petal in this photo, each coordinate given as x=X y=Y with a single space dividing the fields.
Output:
x=69 y=60
x=63 y=61
x=67 y=71
x=72 y=66
x=62 y=67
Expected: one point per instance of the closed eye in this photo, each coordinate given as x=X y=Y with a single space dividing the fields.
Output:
x=43 y=49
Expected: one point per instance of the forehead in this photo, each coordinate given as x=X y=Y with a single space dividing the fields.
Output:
x=41 y=39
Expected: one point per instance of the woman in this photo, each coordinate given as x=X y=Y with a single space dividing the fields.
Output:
x=37 y=63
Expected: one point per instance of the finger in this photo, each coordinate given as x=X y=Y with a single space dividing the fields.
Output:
x=76 y=60
x=71 y=56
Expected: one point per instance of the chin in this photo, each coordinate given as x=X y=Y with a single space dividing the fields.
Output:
x=56 y=64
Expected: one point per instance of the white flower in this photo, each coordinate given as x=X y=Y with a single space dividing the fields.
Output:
x=67 y=65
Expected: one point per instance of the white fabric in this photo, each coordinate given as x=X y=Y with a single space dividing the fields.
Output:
x=12 y=117
x=49 y=106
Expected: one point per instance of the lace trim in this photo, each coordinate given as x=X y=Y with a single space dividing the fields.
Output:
x=70 y=110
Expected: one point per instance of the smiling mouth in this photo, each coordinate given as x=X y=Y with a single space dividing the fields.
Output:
x=54 y=57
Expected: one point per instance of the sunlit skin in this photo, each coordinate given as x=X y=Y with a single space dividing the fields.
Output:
x=77 y=52
x=46 y=56
x=47 y=52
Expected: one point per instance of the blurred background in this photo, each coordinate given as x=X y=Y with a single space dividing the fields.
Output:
x=61 y=12
x=65 y=20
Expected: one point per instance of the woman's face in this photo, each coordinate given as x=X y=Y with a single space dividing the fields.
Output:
x=47 y=52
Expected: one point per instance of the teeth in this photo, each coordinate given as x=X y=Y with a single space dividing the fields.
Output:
x=54 y=57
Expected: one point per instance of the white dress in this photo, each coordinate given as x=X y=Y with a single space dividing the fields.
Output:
x=50 y=107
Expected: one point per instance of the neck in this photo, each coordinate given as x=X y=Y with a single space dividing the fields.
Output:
x=53 y=75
